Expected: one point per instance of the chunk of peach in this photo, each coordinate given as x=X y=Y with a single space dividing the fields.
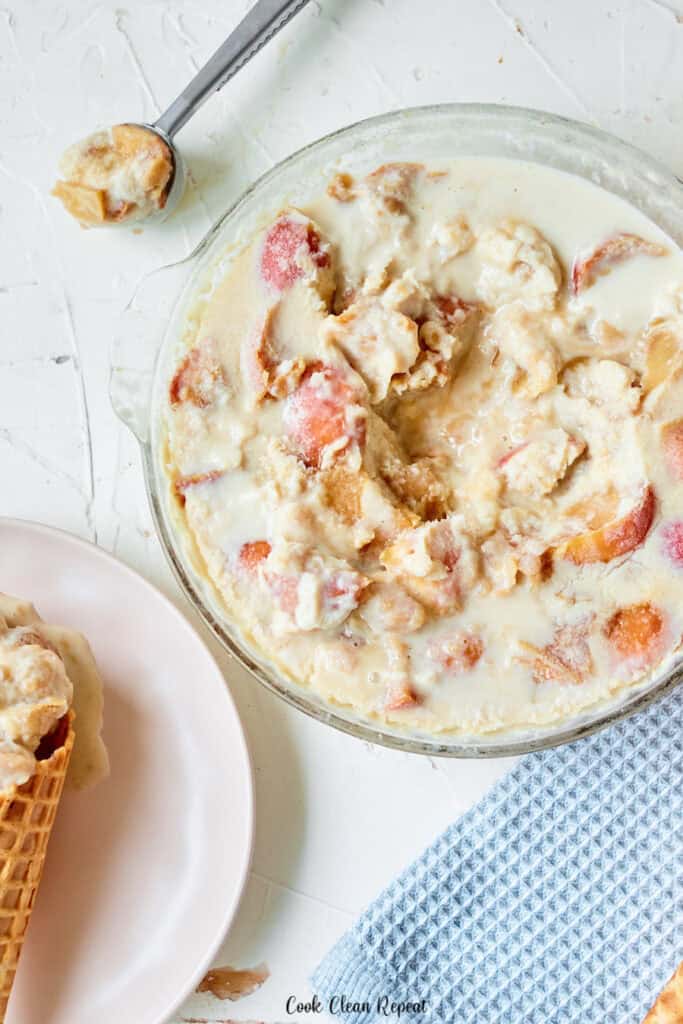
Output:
x=292 y=249
x=265 y=373
x=252 y=553
x=458 y=652
x=672 y=446
x=199 y=376
x=664 y=357
x=608 y=254
x=672 y=536
x=566 y=659
x=616 y=538
x=636 y=632
x=323 y=411
x=400 y=697
x=387 y=607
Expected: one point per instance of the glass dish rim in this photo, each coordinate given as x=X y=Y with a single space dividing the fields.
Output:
x=519 y=742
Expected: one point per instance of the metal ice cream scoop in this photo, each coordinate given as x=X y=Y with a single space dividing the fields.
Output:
x=263 y=21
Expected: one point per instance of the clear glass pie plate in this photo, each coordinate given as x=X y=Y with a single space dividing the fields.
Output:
x=168 y=303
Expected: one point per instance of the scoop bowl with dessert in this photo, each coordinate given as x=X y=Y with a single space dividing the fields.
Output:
x=413 y=442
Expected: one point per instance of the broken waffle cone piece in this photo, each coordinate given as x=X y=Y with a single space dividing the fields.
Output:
x=27 y=815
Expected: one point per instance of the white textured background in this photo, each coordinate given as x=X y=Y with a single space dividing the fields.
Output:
x=336 y=818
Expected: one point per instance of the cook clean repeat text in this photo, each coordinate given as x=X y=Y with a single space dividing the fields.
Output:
x=338 y=1004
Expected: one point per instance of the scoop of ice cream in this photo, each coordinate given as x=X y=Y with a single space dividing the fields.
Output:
x=89 y=762
x=35 y=694
x=120 y=174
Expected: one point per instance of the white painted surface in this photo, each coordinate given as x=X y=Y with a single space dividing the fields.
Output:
x=336 y=818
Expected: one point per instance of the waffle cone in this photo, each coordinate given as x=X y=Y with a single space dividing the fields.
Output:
x=26 y=819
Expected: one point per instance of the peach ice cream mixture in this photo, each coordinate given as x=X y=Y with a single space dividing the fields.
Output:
x=425 y=442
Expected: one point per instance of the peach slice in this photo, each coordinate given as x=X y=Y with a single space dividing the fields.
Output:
x=398 y=698
x=672 y=535
x=265 y=373
x=614 y=539
x=636 y=632
x=290 y=244
x=608 y=254
x=199 y=376
x=672 y=446
x=663 y=359
x=323 y=411
x=566 y=659
x=185 y=483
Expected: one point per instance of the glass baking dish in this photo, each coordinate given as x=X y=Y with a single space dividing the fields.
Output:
x=166 y=306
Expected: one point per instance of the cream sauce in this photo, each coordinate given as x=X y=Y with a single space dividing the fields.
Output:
x=424 y=444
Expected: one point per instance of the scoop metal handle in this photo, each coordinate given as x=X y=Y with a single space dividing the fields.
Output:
x=264 y=20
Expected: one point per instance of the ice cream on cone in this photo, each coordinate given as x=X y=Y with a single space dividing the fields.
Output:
x=27 y=815
x=37 y=713
x=48 y=678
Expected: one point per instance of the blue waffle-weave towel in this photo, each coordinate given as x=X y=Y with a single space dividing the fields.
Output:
x=557 y=899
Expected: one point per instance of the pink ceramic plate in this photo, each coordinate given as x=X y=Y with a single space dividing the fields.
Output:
x=144 y=872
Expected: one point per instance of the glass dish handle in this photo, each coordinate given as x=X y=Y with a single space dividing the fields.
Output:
x=138 y=338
